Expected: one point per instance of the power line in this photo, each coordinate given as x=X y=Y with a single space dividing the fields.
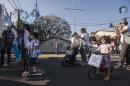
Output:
x=74 y=10
x=11 y=4
x=94 y=24
x=15 y=4
x=19 y=4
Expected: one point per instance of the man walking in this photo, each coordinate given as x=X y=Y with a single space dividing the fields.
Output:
x=7 y=42
x=123 y=45
x=84 y=45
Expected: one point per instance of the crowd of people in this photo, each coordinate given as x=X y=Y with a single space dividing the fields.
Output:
x=123 y=29
x=26 y=47
x=82 y=42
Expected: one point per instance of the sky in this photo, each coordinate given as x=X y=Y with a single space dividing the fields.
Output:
x=92 y=11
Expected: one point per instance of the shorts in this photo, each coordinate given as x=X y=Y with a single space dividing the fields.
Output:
x=33 y=61
x=106 y=61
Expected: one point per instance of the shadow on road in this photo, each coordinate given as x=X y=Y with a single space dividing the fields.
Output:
x=77 y=75
x=58 y=75
x=12 y=83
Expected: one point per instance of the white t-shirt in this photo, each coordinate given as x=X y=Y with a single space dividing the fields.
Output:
x=103 y=48
x=86 y=37
x=122 y=35
x=26 y=37
x=33 y=47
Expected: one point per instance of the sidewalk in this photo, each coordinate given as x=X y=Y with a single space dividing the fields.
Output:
x=116 y=56
x=113 y=57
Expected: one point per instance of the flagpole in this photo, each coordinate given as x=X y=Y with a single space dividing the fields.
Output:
x=36 y=18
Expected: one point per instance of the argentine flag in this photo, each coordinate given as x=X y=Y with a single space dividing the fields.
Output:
x=33 y=16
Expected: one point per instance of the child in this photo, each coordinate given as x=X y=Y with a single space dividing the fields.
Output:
x=105 y=50
x=33 y=51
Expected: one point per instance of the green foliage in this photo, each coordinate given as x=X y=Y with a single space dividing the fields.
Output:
x=53 y=26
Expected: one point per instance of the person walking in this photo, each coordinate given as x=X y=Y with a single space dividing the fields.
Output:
x=84 y=45
x=123 y=29
x=7 y=42
x=33 y=48
x=75 y=43
x=24 y=40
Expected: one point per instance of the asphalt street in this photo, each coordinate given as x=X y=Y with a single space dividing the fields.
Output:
x=58 y=75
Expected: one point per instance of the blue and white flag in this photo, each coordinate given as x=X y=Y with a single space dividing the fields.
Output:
x=6 y=18
x=33 y=16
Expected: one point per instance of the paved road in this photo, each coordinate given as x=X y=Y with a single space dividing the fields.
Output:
x=57 y=75
x=77 y=76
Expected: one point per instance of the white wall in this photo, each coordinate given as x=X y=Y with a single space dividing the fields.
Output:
x=51 y=45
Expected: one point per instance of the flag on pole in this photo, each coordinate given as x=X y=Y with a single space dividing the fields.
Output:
x=6 y=18
x=33 y=16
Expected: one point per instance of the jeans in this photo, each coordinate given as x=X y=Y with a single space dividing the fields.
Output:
x=75 y=52
x=6 y=49
x=128 y=55
x=83 y=51
x=122 y=53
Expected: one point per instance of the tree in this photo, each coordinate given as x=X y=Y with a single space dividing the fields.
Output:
x=21 y=22
x=51 y=26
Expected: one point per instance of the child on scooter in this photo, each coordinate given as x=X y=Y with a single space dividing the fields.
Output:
x=105 y=50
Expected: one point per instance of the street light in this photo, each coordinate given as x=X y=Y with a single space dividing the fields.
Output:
x=74 y=9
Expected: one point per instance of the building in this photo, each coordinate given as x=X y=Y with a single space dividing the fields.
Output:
x=1 y=20
x=100 y=33
x=55 y=45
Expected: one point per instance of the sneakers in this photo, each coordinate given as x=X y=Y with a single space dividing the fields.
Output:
x=128 y=68
x=119 y=66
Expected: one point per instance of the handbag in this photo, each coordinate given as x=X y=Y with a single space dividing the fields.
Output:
x=95 y=60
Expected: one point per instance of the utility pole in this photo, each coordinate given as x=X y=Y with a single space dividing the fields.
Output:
x=18 y=15
x=74 y=10
x=1 y=14
x=19 y=11
x=74 y=14
x=11 y=15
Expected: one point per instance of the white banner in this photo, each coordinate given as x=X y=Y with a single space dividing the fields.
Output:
x=95 y=60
